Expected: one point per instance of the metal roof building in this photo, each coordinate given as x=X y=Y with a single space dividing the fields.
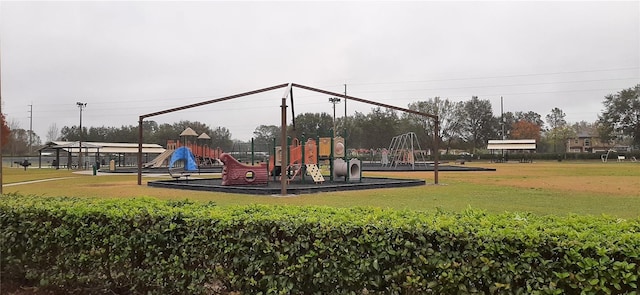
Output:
x=95 y=150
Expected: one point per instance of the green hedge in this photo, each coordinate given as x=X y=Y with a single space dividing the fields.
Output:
x=149 y=246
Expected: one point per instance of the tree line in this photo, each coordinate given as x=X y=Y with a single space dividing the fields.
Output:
x=464 y=125
x=468 y=125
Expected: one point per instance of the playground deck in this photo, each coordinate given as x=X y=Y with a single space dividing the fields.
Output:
x=295 y=187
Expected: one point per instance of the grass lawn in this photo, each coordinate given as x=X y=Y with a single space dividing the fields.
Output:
x=540 y=188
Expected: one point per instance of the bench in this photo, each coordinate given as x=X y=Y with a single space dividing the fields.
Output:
x=178 y=172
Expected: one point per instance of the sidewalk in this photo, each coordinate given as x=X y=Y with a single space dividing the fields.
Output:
x=35 y=181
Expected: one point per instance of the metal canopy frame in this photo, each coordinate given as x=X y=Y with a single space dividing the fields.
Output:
x=288 y=93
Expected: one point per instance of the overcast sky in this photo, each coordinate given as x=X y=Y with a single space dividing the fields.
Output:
x=125 y=59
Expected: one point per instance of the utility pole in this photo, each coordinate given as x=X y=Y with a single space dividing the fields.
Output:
x=80 y=105
x=334 y=101
x=30 y=128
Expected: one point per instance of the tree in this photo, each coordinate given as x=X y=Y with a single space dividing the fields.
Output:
x=163 y=133
x=265 y=134
x=530 y=116
x=508 y=120
x=585 y=127
x=557 y=124
x=221 y=137
x=621 y=116
x=18 y=140
x=450 y=116
x=525 y=130
x=99 y=134
x=152 y=133
x=357 y=132
x=562 y=134
x=149 y=128
x=6 y=132
x=479 y=124
x=53 y=132
x=71 y=133
x=381 y=126
x=313 y=125
x=556 y=119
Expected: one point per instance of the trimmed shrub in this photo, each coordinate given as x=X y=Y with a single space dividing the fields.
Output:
x=150 y=246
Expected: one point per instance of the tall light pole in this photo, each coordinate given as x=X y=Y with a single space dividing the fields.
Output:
x=30 y=128
x=334 y=101
x=80 y=105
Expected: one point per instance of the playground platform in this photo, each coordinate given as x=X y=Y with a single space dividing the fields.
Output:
x=294 y=188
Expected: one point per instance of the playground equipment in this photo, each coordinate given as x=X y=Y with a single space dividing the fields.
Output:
x=402 y=151
x=24 y=164
x=236 y=173
x=384 y=157
x=352 y=169
x=204 y=155
x=620 y=158
x=160 y=160
x=605 y=157
x=184 y=154
x=189 y=163
x=305 y=157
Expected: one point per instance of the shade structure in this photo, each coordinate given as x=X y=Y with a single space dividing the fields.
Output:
x=188 y=132
x=512 y=144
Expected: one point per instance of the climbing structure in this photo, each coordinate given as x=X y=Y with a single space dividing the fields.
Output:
x=301 y=157
x=402 y=150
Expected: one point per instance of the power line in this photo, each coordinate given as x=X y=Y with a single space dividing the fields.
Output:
x=494 y=86
x=499 y=76
x=105 y=113
x=109 y=101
